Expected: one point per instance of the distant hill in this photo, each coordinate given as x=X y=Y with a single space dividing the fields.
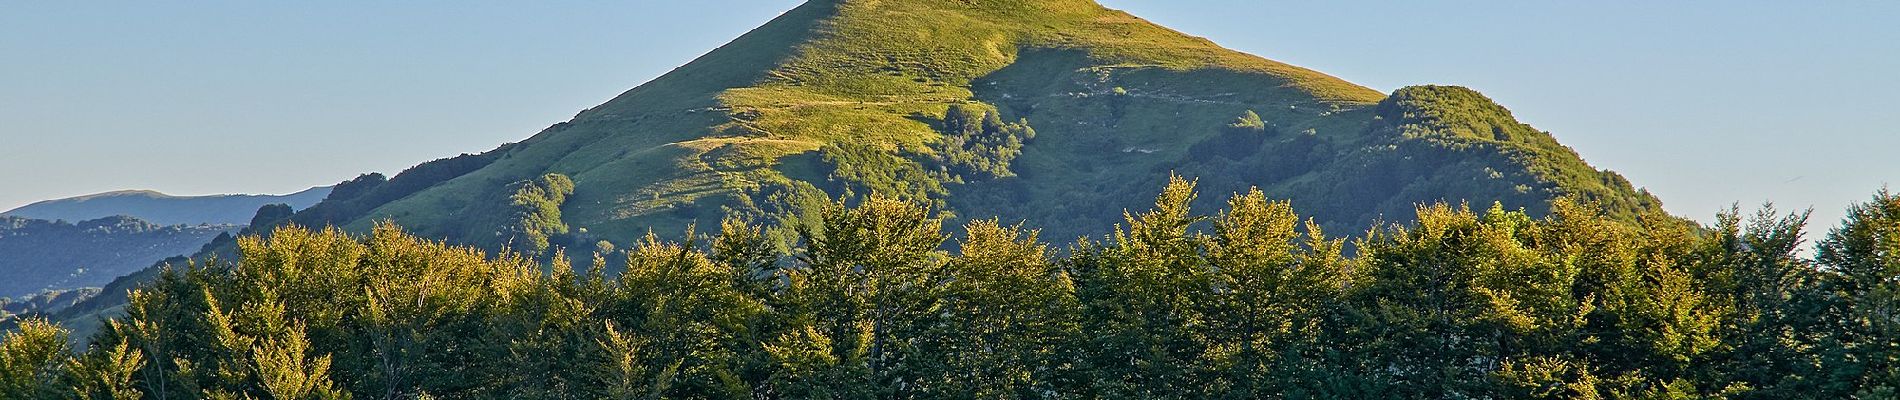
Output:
x=45 y=302
x=162 y=209
x=40 y=255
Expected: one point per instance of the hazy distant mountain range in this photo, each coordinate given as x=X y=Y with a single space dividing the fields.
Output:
x=38 y=255
x=163 y=209
x=86 y=241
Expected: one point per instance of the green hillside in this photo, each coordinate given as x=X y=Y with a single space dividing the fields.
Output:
x=164 y=209
x=1058 y=111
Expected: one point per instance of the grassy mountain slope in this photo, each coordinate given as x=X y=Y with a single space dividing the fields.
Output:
x=1045 y=110
x=1060 y=112
x=840 y=96
x=164 y=209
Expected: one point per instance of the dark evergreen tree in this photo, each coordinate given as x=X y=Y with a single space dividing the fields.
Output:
x=1864 y=256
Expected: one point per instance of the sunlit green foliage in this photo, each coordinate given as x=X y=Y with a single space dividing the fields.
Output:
x=875 y=300
x=978 y=145
x=535 y=212
x=1249 y=122
x=32 y=359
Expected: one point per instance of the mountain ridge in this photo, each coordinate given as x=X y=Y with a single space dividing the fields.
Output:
x=165 y=209
x=710 y=136
x=40 y=255
x=1060 y=112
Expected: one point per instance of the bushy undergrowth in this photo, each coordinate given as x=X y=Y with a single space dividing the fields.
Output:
x=1251 y=301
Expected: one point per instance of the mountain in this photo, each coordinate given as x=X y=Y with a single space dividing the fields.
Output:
x=1060 y=112
x=1040 y=110
x=163 y=209
x=41 y=255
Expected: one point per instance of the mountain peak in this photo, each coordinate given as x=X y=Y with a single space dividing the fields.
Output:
x=1045 y=110
x=868 y=50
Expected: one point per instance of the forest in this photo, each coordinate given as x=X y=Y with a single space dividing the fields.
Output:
x=877 y=301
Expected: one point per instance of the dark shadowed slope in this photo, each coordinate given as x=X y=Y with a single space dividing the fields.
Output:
x=37 y=255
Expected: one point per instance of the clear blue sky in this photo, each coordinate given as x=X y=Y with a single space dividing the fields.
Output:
x=1705 y=103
